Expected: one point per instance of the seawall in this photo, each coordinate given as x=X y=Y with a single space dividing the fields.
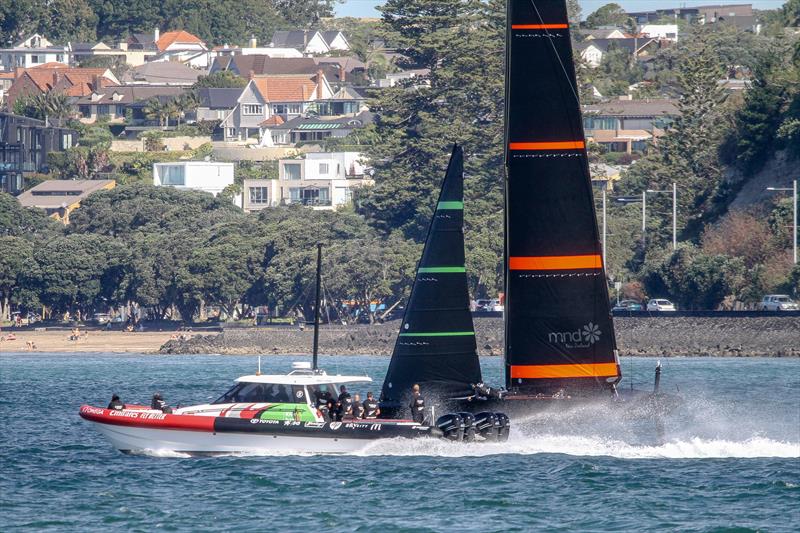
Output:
x=661 y=336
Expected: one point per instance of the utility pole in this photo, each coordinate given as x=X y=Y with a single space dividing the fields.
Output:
x=793 y=190
x=604 y=231
x=674 y=216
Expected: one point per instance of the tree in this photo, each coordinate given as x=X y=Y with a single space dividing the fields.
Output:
x=791 y=13
x=305 y=13
x=16 y=258
x=221 y=79
x=46 y=105
x=16 y=220
x=608 y=15
x=155 y=109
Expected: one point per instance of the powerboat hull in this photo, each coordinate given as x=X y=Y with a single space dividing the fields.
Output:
x=142 y=429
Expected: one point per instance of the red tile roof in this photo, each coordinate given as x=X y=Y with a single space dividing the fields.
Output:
x=180 y=36
x=274 y=120
x=285 y=88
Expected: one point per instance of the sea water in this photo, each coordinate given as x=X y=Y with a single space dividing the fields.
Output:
x=727 y=459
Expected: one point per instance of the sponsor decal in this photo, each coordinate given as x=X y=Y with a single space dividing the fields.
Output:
x=583 y=337
x=311 y=425
x=259 y=421
x=91 y=410
x=375 y=427
x=335 y=425
x=141 y=415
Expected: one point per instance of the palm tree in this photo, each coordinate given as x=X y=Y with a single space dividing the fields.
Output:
x=185 y=103
x=157 y=110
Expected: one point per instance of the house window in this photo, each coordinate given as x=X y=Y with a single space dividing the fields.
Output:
x=59 y=58
x=35 y=59
x=85 y=111
x=102 y=110
x=120 y=112
x=259 y=195
x=286 y=109
x=173 y=175
x=323 y=169
x=252 y=109
x=279 y=138
x=231 y=132
x=291 y=171
x=66 y=141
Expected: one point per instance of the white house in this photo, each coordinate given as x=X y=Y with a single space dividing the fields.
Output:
x=321 y=181
x=203 y=176
x=667 y=32
x=32 y=52
x=310 y=41
x=182 y=46
x=252 y=49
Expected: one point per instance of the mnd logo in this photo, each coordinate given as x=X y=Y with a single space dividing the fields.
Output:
x=583 y=337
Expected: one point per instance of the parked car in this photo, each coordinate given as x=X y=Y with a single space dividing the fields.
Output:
x=495 y=306
x=483 y=305
x=659 y=304
x=778 y=302
x=101 y=319
x=628 y=305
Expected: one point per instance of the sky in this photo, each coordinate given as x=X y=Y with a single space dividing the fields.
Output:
x=366 y=8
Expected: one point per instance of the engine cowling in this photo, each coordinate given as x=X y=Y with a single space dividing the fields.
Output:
x=469 y=426
x=504 y=426
x=487 y=426
x=452 y=426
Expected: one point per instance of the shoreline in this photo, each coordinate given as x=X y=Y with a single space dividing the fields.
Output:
x=777 y=336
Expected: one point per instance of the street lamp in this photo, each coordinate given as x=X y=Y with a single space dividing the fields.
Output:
x=674 y=192
x=794 y=210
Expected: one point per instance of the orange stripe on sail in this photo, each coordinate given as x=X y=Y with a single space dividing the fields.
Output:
x=589 y=370
x=555 y=262
x=539 y=26
x=556 y=145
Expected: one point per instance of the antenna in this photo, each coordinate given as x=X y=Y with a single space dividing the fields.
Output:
x=316 y=307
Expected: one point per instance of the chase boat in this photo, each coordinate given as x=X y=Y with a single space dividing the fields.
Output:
x=274 y=413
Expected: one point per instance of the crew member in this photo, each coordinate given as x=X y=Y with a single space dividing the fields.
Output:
x=417 y=405
x=159 y=403
x=371 y=409
x=358 y=409
x=322 y=404
x=116 y=404
x=333 y=409
x=345 y=403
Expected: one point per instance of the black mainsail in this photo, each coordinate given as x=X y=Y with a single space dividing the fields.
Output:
x=559 y=332
x=436 y=345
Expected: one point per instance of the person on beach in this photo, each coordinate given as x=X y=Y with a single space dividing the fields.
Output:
x=116 y=404
x=371 y=409
x=417 y=405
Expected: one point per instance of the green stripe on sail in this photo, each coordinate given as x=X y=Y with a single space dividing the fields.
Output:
x=441 y=270
x=440 y=334
x=450 y=205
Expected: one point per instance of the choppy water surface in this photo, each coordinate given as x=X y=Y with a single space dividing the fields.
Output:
x=729 y=458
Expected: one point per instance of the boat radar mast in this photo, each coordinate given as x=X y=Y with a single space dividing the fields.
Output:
x=315 y=349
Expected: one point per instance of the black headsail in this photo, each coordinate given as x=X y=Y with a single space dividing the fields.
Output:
x=559 y=333
x=436 y=345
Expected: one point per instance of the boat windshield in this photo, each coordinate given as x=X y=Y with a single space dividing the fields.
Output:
x=262 y=393
x=312 y=390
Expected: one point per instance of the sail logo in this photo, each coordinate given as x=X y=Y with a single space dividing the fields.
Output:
x=583 y=337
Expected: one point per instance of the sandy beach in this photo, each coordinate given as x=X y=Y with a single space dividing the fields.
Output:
x=95 y=341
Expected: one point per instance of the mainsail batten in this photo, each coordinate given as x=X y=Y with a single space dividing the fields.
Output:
x=559 y=332
x=436 y=344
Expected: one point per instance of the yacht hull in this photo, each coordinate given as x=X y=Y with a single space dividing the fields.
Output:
x=149 y=430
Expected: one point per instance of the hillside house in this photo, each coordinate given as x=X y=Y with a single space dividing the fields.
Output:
x=273 y=97
x=593 y=50
x=24 y=145
x=59 y=198
x=216 y=103
x=120 y=51
x=206 y=176
x=31 y=52
x=114 y=104
x=183 y=47
x=320 y=181
x=312 y=128
x=740 y=15
x=73 y=82
x=627 y=125
x=162 y=73
x=602 y=33
x=310 y=41
x=664 y=32
x=252 y=49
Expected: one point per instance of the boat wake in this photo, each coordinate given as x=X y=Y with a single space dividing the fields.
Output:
x=695 y=448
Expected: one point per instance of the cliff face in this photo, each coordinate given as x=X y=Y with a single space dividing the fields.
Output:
x=659 y=337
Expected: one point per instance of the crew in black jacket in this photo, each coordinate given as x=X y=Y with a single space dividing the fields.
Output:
x=116 y=403
x=322 y=399
x=371 y=409
x=417 y=405
x=358 y=408
x=345 y=403
x=159 y=403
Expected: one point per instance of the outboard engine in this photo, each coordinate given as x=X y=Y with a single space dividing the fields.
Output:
x=487 y=426
x=469 y=426
x=451 y=426
x=504 y=426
